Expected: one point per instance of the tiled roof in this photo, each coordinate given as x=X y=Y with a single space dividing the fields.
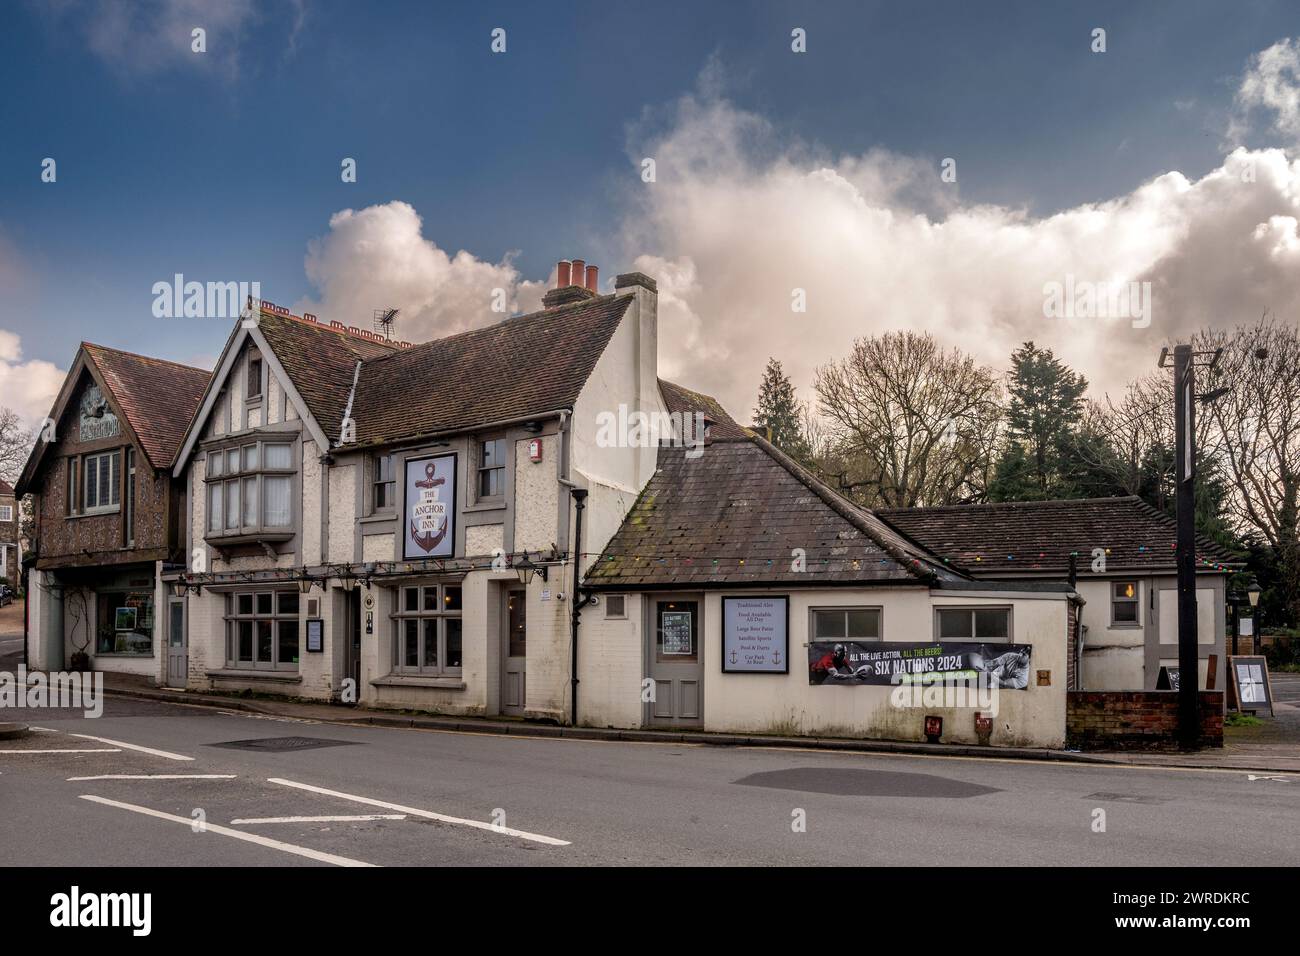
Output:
x=528 y=365
x=321 y=361
x=746 y=501
x=6 y=488
x=1010 y=538
x=157 y=397
x=684 y=401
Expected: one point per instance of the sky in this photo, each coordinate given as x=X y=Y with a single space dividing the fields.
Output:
x=946 y=167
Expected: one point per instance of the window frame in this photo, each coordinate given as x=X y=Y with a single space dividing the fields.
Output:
x=103 y=601
x=114 y=487
x=6 y=517
x=128 y=497
x=252 y=381
x=233 y=618
x=480 y=469
x=971 y=609
x=609 y=615
x=377 y=481
x=440 y=614
x=845 y=609
x=1135 y=600
x=257 y=475
x=72 y=507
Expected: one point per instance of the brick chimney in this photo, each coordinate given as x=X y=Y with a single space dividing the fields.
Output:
x=574 y=282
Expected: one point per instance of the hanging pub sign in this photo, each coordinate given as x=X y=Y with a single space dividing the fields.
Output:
x=756 y=635
x=883 y=664
x=430 y=518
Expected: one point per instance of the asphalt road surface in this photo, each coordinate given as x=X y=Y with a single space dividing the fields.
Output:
x=154 y=783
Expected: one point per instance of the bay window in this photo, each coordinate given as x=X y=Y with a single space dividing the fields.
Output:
x=250 y=489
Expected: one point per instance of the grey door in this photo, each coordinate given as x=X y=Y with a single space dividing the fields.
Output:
x=675 y=663
x=177 y=655
x=352 y=662
x=514 y=653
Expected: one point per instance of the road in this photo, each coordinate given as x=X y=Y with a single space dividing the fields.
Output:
x=415 y=797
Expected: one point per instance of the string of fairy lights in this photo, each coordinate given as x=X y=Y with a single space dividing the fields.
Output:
x=1036 y=560
x=538 y=562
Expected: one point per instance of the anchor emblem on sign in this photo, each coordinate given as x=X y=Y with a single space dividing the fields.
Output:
x=776 y=657
x=429 y=509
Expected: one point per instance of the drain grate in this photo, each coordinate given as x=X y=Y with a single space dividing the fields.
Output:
x=1125 y=798
x=282 y=744
x=864 y=783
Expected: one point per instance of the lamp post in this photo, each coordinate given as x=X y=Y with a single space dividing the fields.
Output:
x=1235 y=600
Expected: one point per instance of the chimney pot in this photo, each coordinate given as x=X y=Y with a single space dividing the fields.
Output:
x=563 y=273
x=579 y=272
x=593 y=273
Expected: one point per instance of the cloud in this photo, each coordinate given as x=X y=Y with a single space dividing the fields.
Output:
x=151 y=37
x=378 y=257
x=29 y=386
x=738 y=219
x=741 y=221
x=1271 y=84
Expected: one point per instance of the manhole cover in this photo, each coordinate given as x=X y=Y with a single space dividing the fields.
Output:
x=281 y=744
x=864 y=783
x=1125 y=798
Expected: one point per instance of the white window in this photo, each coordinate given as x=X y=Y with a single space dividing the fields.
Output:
x=250 y=488
x=974 y=623
x=6 y=512
x=1124 y=603
x=103 y=488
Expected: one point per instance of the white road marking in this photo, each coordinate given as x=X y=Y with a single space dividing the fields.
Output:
x=234 y=834
x=158 y=776
x=427 y=814
x=143 y=750
x=98 y=750
x=361 y=817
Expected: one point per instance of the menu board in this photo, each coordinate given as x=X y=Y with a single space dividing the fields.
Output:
x=756 y=635
x=676 y=627
x=1249 y=683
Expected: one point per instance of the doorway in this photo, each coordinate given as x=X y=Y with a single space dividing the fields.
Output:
x=352 y=650
x=177 y=652
x=514 y=652
x=675 y=663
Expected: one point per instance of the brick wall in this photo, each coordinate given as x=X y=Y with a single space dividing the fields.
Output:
x=1136 y=720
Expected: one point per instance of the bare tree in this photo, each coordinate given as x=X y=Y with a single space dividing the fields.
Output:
x=15 y=444
x=1256 y=428
x=910 y=423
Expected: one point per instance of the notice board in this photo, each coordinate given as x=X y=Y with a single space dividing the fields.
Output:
x=1249 y=687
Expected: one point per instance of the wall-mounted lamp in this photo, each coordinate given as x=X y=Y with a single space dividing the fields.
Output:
x=526 y=569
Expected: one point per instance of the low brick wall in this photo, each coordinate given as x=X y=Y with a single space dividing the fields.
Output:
x=1136 y=719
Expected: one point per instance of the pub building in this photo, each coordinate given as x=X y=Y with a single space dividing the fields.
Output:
x=107 y=515
x=483 y=525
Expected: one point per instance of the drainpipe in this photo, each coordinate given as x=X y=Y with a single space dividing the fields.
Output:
x=579 y=504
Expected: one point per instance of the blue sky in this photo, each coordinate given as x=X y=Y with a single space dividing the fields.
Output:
x=226 y=165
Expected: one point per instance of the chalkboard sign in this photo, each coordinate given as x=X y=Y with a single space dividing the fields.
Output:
x=1249 y=685
x=1168 y=679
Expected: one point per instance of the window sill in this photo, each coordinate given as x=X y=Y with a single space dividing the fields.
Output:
x=284 y=677
x=411 y=680
x=378 y=517
x=222 y=540
x=485 y=506
x=94 y=514
x=137 y=655
x=1125 y=626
